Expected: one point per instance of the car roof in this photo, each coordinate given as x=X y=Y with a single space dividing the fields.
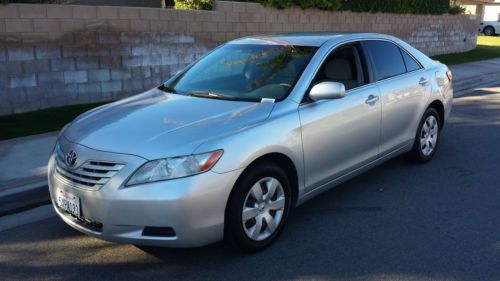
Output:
x=318 y=39
x=313 y=39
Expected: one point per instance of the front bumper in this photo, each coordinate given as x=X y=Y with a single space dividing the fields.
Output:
x=193 y=206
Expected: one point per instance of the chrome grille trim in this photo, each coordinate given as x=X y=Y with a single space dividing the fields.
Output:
x=90 y=175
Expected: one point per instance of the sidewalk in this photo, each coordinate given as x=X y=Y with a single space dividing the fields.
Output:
x=23 y=161
x=471 y=75
x=23 y=173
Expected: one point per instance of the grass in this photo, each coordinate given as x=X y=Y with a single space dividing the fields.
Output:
x=488 y=47
x=41 y=121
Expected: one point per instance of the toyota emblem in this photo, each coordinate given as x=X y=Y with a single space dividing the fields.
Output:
x=71 y=159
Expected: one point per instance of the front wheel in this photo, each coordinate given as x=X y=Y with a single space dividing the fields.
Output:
x=258 y=207
x=489 y=31
x=427 y=138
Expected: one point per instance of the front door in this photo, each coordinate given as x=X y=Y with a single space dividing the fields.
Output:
x=343 y=134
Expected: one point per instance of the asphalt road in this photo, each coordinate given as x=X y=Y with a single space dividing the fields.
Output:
x=400 y=221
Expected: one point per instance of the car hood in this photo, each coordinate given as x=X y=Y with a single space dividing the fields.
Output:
x=156 y=124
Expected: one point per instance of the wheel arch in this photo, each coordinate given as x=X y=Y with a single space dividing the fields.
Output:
x=280 y=160
x=492 y=27
x=284 y=162
x=439 y=106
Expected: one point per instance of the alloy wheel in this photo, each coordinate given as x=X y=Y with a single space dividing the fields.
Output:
x=429 y=135
x=263 y=208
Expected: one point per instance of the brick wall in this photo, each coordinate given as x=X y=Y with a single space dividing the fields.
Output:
x=54 y=55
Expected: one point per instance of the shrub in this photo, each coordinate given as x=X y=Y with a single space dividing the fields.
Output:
x=375 y=6
x=456 y=10
x=193 y=4
x=398 y=6
x=383 y=6
x=330 y=5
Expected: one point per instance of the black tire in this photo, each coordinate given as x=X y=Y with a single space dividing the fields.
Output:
x=234 y=230
x=417 y=153
x=489 y=31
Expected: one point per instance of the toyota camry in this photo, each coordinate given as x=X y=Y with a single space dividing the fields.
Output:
x=227 y=147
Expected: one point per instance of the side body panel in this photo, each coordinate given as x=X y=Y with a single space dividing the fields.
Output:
x=403 y=100
x=339 y=135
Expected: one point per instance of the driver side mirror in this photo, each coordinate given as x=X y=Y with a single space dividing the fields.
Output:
x=327 y=91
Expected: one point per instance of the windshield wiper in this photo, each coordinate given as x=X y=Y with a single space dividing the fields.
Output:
x=211 y=95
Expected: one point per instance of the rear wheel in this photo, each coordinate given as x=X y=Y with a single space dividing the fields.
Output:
x=427 y=138
x=258 y=207
x=489 y=31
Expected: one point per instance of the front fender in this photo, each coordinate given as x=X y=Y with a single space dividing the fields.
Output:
x=280 y=133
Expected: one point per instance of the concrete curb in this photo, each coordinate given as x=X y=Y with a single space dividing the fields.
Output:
x=468 y=90
x=476 y=81
x=24 y=197
x=33 y=215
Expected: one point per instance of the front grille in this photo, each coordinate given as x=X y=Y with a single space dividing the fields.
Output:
x=92 y=174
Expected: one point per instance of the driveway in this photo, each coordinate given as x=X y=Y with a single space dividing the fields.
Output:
x=400 y=221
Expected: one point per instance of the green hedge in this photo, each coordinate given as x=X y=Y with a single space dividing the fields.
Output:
x=382 y=6
x=398 y=6
x=193 y=4
x=330 y=5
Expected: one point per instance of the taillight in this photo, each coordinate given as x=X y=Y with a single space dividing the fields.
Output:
x=449 y=75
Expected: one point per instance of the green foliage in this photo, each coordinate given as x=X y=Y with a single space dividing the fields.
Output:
x=330 y=5
x=398 y=6
x=193 y=4
x=457 y=10
x=382 y=6
x=28 y=1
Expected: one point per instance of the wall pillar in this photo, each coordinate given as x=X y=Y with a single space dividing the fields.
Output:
x=480 y=11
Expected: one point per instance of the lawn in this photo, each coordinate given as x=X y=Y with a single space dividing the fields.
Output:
x=488 y=47
x=41 y=121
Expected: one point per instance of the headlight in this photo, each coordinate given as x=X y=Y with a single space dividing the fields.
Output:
x=176 y=167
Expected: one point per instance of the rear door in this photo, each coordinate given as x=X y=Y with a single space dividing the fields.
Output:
x=403 y=85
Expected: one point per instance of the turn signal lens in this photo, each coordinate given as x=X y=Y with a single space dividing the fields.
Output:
x=212 y=159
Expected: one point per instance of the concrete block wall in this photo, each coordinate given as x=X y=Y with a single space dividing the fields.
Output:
x=54 y=55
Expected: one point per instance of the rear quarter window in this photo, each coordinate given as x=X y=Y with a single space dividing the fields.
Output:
x=411 y=64
x=386 y=59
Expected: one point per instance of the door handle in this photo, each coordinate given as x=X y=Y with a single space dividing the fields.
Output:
x=423 y=81
x=371 y=99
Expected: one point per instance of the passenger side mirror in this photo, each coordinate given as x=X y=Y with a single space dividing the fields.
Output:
x=327 y=91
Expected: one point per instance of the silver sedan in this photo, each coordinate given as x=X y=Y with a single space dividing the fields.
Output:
x=229 y=145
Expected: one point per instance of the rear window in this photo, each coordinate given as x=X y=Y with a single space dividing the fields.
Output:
x=387 y=59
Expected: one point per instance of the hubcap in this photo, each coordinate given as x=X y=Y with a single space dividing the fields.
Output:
x=429 y=135
x=263 y=208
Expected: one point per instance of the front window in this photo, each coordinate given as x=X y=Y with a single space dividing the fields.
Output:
x=245 y=72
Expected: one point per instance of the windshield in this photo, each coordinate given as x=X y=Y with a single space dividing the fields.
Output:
x=245 y=72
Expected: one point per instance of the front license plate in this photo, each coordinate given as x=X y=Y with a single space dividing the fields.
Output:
x=68 y=202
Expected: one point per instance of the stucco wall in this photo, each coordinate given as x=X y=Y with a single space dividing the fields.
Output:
x=53 y=55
